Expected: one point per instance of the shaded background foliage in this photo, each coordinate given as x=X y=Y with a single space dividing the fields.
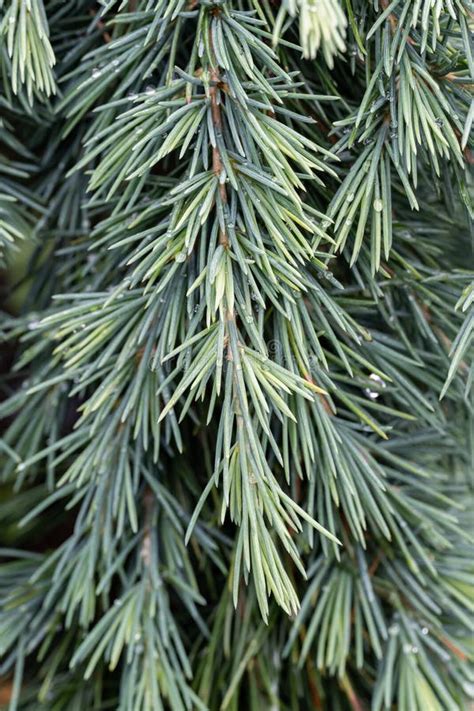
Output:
x=237 y=355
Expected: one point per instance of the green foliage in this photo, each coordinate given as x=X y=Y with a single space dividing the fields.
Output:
x=25 y=29
x=237 y=416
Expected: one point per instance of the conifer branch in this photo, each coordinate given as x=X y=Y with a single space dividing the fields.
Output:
x=236 y=355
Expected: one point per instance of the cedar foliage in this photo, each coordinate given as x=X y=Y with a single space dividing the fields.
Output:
x=237 y=374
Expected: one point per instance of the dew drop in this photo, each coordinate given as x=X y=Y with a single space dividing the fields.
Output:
x=181 y=257
x=373 y=394
x=96 y=73
x=378 y=205
x=350 y=197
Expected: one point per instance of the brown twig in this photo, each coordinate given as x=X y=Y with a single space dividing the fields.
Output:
x=216 y=156
x=101 y=25
x=6 y=688
x=352 y=697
